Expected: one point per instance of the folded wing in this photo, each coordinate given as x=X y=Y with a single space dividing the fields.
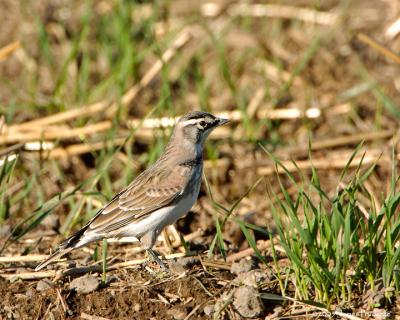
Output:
x=147 y=193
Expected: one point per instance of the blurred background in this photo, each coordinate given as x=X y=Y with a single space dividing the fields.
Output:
x=84 y=86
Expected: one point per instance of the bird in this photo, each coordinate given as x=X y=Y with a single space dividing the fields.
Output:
x=157 y=197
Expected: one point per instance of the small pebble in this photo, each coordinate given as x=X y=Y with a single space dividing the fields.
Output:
x=176 y=268
x=85 y=284
x=251 y=278
x=247 y=302
x=241 y=266
x=380 y=314
x=178 y=313
x=277 y=312
x=209 y=310
x=30 y=293
x=44 y=285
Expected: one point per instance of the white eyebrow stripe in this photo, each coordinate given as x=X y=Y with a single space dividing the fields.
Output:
x=191 y=121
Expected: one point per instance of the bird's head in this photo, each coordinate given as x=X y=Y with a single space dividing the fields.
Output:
x=196 y=126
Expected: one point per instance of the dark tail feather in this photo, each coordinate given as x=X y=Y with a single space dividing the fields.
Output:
x=64 y=247
x=58 y=254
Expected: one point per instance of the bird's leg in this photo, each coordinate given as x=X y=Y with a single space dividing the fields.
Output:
x=153 y=255
x=147 y=241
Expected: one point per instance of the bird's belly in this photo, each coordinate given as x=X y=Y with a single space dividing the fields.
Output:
x=180 y=209
x=160 y=218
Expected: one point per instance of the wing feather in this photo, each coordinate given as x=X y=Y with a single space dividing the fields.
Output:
x=148 y=192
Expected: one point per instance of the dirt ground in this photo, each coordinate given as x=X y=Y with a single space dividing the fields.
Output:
x=137 y=295
x=189 y=291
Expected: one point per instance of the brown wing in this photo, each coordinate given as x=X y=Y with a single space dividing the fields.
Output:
x=148 y=192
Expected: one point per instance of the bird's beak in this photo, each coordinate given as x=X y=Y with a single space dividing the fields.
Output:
x=222 y=121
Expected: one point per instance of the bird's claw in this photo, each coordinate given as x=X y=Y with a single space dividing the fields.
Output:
x=153 y=256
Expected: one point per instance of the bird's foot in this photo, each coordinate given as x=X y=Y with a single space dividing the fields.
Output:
x=153 y=257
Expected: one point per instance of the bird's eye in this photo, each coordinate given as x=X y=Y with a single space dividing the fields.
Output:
x=202 y=124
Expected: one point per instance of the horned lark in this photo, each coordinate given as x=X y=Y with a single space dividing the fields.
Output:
x=157 y=197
